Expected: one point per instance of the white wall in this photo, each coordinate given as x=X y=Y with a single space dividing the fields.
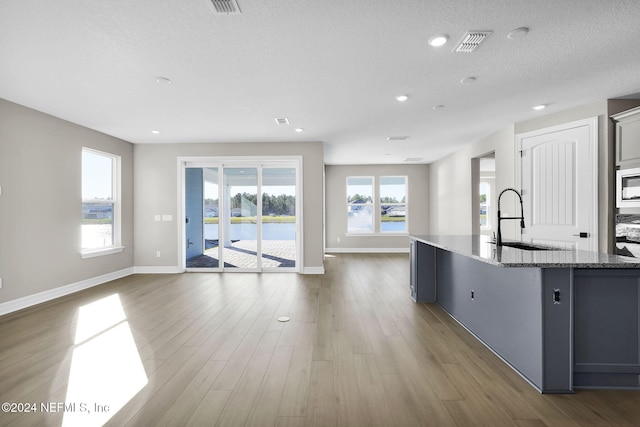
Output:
x=41 y=202
x=336 y=208
x=453 y=187
x=156 y=189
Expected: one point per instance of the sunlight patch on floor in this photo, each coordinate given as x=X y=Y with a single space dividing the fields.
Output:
x=106 y=370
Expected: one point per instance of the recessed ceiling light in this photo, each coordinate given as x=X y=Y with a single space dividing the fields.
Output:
x=468 y=80
x=163 y=80
x=299 y=130
x=518 y=33
x=402 y=98
x=155 y=132
x=539 y=107
x=439 y=40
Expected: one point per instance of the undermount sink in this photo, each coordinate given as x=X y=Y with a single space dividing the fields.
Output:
x=529 y=246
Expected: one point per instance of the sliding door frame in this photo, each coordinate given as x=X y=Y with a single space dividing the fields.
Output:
x=258 y=162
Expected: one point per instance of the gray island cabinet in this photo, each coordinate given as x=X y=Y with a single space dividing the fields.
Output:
x=560 y=318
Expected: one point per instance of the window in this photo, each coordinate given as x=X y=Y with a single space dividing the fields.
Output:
x=393 y=207
x=360 y=204
x=485 y=205
x=391 y=203
x=100 y=203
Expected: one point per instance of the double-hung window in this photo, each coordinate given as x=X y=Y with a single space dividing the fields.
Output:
x=393 y=204
x=100 y=203
x=390 y=203
x=360 y=204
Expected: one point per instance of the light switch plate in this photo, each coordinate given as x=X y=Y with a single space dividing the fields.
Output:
x=167 y=217
x=158 y=218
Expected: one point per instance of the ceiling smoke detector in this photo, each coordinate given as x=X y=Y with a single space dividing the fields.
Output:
x=471 y=41
x=226 y=6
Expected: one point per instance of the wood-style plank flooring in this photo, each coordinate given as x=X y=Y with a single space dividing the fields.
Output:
x=206 y=349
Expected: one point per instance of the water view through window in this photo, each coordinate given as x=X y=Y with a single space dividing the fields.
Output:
x=242 y=231
x=391 y=204
x=98 y=199
x=393 y=208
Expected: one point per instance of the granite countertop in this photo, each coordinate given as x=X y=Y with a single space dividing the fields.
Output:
x=481 y=248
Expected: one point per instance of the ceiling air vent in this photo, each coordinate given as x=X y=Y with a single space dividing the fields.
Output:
x=282 y=120
x=414 y=159
x=471 y=41
x=226 y=6
x=397 y=138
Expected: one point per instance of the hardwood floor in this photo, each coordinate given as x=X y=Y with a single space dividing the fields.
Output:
x=206 y=349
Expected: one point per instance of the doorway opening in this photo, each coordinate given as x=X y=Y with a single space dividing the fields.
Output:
x=241 y=215
x=484 y=194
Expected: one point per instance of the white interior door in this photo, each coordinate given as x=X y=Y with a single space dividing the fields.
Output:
x=558 y=178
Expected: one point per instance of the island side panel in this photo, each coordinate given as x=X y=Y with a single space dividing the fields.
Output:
x=501 y=306
x=557 y=302
x=423 y=272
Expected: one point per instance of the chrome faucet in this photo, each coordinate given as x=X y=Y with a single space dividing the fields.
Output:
x=500 y=217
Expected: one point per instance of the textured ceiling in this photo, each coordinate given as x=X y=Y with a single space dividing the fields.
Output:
x=332 y=68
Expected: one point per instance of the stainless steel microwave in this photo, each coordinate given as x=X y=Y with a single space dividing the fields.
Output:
x=628 y=188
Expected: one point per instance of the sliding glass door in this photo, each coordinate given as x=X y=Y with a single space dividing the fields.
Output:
x=202 y=227
x=279 y=217
x=241 y=249
x=229 y=227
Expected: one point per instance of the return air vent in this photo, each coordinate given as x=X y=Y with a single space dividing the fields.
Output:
x=471 y=41
x=226 y=6
x=282 y=120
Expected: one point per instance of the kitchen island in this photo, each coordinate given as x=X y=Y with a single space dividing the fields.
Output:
x=560 y=318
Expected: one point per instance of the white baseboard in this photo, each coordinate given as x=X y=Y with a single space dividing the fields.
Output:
x=30 y=300
x=366 y=250
x=168 y=269
x=313 y=270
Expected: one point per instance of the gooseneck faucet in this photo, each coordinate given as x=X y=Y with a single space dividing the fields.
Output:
x=500 y=217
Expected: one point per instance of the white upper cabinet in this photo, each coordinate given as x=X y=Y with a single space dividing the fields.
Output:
x=628 y=137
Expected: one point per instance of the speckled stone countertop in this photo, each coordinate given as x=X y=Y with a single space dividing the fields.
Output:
x=481 y=248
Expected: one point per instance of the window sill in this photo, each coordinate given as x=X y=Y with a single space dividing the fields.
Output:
x=100 y=252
